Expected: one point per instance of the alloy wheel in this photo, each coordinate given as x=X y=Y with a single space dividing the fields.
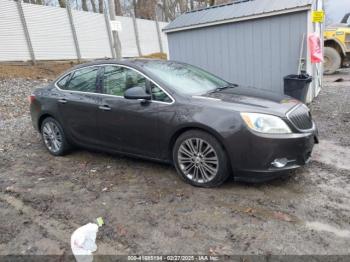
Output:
x=198 y=160
x=52 y=136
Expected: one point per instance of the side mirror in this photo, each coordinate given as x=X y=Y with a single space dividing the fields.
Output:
x=136 y=92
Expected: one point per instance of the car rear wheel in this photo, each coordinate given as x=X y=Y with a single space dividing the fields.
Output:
x=54 y=137
x=200 y=159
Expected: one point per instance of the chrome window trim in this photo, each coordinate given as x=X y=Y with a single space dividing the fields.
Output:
x=109 y=64
x=300 y=130
x=70 y=72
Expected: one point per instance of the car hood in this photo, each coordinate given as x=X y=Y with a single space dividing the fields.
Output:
x=253 y=100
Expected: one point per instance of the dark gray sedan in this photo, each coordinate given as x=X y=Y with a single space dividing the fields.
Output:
x=177 y=113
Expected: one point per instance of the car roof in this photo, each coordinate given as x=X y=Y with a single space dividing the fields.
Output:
x=132 y=62
x=127 y=62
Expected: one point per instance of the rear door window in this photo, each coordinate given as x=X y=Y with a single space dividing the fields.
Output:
x=83 y=80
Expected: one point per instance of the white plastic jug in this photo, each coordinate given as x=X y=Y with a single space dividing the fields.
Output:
x=83 y=242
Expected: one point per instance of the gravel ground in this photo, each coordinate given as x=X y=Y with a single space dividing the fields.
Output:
x=148 y=209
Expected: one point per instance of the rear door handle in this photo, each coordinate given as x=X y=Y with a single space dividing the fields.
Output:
x=62 y=100
x=104 y=108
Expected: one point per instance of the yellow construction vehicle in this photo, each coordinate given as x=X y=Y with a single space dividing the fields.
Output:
x=337 y=45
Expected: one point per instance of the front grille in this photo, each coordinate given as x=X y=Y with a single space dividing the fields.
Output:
x=347 y=41
x=347 y=38
x=300 y=117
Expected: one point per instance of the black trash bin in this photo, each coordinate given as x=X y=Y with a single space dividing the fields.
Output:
x=297 y=86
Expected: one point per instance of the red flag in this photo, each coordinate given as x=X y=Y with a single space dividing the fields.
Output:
x=315 y=48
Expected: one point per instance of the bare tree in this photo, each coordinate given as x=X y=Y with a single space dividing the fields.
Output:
x=169 y=9
x=183 y=5
x=62 y=3
x=83 y=5
x=118 y=8
x=100 y=6
x=191 y=4
x=93 y=4
x=144 y=8
x=134 y=7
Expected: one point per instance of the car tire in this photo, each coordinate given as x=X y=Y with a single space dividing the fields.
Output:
x=332 y=60
x=200 y=159
x=54 y=137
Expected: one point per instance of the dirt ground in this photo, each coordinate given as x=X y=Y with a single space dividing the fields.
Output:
x=42 y=70
x=148 y=209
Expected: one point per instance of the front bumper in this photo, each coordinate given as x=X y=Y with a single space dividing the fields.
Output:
x=254 y=163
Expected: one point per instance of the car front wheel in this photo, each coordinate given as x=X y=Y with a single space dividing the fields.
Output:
x=54 y=137
x=200 y=159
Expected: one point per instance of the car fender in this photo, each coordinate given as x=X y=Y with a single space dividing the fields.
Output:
x=44 y=114
x=335 y=42
x=190 y=126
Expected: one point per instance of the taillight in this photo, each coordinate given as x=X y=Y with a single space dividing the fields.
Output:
x=31 y=98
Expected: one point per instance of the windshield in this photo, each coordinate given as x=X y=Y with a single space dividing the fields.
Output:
x=185 y=79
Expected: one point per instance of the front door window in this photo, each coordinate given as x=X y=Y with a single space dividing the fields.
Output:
x=118 y=79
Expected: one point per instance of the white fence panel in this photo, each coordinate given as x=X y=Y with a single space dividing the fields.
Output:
x=127 y=37
x=148 y=36
x=92 y=34
x=13 y=45
x=52 y=38
x=50 y=32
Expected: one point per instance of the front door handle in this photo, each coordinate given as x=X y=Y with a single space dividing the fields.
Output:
x=104 y=108
x=62 y=100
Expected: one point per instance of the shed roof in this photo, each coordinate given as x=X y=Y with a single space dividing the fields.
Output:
x=236 y=11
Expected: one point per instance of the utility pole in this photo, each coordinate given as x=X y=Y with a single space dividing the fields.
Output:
x=116 y=40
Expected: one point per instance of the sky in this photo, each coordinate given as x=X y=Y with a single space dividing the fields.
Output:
x=336 y=9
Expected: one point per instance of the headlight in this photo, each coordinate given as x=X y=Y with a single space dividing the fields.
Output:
x=265 y=123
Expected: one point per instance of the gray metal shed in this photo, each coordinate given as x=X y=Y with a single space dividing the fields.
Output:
x=254 y=43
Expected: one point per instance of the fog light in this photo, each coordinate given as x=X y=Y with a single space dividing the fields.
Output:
x=279 y=162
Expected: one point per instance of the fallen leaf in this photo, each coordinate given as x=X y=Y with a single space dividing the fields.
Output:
x=248 y=210
x=220 y=250
x=282 y=216
x=212 y=251
x=121 y=230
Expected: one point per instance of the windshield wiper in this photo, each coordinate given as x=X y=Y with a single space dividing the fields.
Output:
x=223 y=87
